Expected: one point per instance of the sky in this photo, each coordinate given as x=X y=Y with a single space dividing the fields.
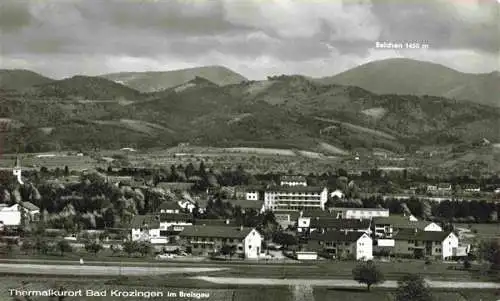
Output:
x=256 y=38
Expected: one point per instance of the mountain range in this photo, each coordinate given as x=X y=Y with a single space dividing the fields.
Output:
x=280 y=112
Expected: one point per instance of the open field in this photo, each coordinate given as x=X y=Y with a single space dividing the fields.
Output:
x=358 y=128
x=265 y=151
x=483 y=230
x=321 y=269
x=59 y=160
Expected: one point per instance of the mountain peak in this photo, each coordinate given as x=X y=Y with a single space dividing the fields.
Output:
x=414 y=77
x=160 y=80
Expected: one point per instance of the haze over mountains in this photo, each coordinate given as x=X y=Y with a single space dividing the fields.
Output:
x=283 y=112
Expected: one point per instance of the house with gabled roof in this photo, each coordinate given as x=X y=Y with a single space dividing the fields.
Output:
x=293 y=180
x=159 y=227
x=358 y=213
x=145 y=227
x=342 y=244
x=245 y=205
x=324 y=224
x=206 y=240
x=419 y=244
x=12 y=216
x=169 y=207
x=386 y=227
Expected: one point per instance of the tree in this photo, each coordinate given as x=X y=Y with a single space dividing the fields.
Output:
x=66 y=170
x=413 y=288
x=63 y=246
x=115 y=249
x=130 y=247
x=285 y=239
x=490 y=252
x=93 y=247
x=145 y=248
x=41 y=246
x=228 y=250
x=367 y=273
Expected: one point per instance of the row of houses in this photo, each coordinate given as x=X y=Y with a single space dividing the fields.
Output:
x=358 y=233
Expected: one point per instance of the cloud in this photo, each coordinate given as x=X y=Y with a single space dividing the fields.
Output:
x=14 y=16
x=62 y=38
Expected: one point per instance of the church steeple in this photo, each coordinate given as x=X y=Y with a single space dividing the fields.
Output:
x=17 y=163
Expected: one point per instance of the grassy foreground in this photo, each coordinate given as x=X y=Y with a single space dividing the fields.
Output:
x=201 y=290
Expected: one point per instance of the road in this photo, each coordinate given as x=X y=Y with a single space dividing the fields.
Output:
x=341 y=282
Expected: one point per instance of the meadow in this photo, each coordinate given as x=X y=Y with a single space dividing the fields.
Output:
x=172 y=288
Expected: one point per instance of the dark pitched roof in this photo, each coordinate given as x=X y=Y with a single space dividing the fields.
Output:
x=245 y=204
x=215 y=222
x=175 y=185
x=401 y=222
x=349 y=236
x=139 y=221
x=30 y=206
x=169 y=205
x=339 y=224
x=215 y=231
x=343 y=209
x=409 y=234
x=174 y=217
x=294 y=215
x=293 y=178
x=316 y=213
x=294 y=189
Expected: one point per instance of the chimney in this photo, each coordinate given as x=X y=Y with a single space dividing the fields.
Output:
x=241 y=228
x=301 y=213
x=227 y=221
x=416 y=230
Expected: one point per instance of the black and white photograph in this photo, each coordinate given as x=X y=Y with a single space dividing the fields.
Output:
x=250 y=150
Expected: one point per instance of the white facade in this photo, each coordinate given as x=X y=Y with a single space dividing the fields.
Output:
x=293 y=183
x=381 y=242
x=433 y=227
x=364 y=248
x=11 y=216
x=337 y=193
x=366 y=213
x=285 y=199
x=359 y=213
x=176 y=226
x=449 y=244
x=306 y=255
x=145 y=234
x=185 y=204
x=252 y=244
x=252 y=195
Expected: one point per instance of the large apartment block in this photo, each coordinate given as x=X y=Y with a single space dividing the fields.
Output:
x=290 y=198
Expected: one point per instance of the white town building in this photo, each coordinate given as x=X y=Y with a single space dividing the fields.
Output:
x=282 y=198
x=12 y=216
